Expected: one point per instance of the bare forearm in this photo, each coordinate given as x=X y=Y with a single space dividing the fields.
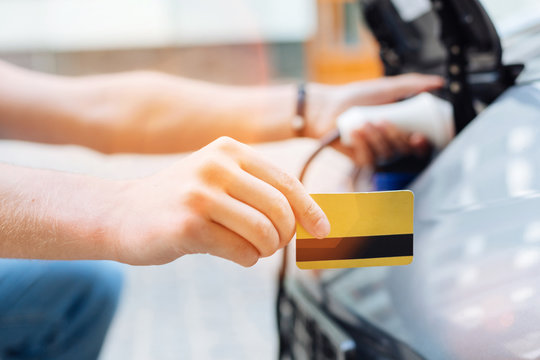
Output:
x=167 y=114
x=39 y=107
x=140 y=111
x=52 y=215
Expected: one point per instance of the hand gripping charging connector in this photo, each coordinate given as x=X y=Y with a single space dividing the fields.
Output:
x=423 y=113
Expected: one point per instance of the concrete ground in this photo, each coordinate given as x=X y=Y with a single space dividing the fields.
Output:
x=198 y=307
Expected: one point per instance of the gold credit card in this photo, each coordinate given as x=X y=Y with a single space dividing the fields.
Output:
x=367 y=229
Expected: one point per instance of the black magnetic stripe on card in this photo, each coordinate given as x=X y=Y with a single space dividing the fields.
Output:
x=359 y=247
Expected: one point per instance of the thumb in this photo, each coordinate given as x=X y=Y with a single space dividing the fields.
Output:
x=403 y=86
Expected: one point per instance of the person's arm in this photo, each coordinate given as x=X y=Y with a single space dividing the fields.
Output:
x=156 y=113
x=53 y=215
x=144 y=112
x=223 y=199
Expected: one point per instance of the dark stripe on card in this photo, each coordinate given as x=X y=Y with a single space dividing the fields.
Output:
x=360 y=247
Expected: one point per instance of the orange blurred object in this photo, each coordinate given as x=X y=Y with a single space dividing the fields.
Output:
x=343 y=49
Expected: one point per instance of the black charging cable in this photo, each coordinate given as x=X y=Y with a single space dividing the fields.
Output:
x=325 y=141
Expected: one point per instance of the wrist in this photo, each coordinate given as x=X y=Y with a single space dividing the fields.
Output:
x=92 y=217
x=108 y=223
x=73 y=216
x=267 y=113
x=317 y=98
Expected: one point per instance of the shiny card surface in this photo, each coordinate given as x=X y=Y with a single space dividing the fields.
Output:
x=367 y=229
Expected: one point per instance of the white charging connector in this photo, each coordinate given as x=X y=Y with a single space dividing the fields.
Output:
x=423 y=113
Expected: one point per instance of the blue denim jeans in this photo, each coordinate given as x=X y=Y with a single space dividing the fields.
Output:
x=56 y=309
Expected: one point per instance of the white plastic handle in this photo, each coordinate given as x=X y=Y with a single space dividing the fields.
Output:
x=423 y=113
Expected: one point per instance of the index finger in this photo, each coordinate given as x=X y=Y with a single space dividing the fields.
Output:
x=305 y=209
x=405 y=85
x=393 y=88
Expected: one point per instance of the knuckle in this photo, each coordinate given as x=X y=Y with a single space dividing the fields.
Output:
x=311 y=213
x=232 y=149
x=215 y=170
x=249 y=258
x=226 y=143
x=198 y=199
x=288 y=234
x=288 y=183
x=263 y=228
x=211 y=164
x=190 y=226
x=284 y=216
x=280 y=206
x=196 y=194
x=390 y=132
x=268 y=236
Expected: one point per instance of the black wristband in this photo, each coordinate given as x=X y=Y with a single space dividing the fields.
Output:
x=299 y=121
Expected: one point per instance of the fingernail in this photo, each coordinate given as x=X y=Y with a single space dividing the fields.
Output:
x=322 y=227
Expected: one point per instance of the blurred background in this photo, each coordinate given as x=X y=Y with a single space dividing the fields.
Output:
x=233 y=41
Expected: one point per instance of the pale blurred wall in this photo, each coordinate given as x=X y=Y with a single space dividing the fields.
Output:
x=229 y=41
x=231 y=64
